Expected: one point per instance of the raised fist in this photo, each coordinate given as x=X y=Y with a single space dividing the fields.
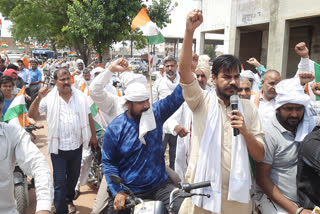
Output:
x=302 y=50
x=315 y=86
x=254 y=62
x=119 y=65
x=306 y=77
x=194 y=19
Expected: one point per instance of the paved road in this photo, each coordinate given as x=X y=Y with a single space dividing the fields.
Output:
x=86 y=199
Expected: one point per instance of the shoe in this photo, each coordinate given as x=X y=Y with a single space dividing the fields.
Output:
x=71 y=208
x=76 y=194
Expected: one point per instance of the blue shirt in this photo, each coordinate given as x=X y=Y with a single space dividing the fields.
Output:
x=5 y=107
x=142 y=167
x=35 y=75
x=25 y=75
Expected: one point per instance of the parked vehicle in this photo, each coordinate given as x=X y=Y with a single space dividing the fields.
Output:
x=96 y=171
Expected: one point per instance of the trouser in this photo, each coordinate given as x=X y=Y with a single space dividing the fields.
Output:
x=172 y=141
x=101 y=198
x=66 y=171
x=267 y=206
x=85 y=167
x=162 y=193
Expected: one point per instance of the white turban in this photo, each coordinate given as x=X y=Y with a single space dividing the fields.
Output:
x=79 y=61
x=204 y=58
x=205 y=68
x=290 y=91
x=128 y=78
x=97 y=70
x=250 y=75
x=137 y=92
x=247 y=74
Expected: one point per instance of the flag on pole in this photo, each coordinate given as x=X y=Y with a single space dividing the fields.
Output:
x=25 y=62
x=21 y=48
x=97 y=118
x=72 y=54
x=17 y=109
x=4 y=44
x=148 y=27
x=31 y=47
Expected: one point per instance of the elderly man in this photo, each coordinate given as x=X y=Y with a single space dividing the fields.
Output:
x=216 y=154
x=180 y=122
x=85 y=79
x=253 y=80
x=161 y=89
x=78 y=73
x=132 y=147
x=70 y=125
x=276 y=175
x=245 y=88
x=16 y=147
x=265 y=99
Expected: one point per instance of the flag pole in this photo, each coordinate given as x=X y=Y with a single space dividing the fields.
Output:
x=150 y=80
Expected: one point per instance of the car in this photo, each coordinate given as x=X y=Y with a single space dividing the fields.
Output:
x=135 y=66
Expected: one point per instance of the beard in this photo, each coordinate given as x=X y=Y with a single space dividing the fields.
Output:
x=221 y=91
x=173 y=74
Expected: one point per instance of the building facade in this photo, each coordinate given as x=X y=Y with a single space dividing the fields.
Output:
x=265 y=29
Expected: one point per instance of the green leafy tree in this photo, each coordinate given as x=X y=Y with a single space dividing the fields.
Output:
x=210 y=50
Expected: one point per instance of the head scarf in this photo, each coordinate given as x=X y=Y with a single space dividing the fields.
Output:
x=250 y=75
x=128 y=78
x=205 y=68
x=137 y=92
x=290 y=91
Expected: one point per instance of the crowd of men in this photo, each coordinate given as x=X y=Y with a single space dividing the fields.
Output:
x=260 y=156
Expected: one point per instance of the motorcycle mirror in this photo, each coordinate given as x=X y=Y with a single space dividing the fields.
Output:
x=116 y=179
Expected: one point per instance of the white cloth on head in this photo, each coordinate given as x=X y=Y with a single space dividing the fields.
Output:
x=290 y=91
x=250 y=75
x=53 y=112
x=96 y=70
x=137 y=92
x=127 y=78
x=205 y=68
x=209 y=166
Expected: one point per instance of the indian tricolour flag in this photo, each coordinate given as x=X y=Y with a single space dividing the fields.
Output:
x=4 y=45
x=314 y=68
x=96 y=115
x=148 y=27
x=21 y=48
x=17 y=109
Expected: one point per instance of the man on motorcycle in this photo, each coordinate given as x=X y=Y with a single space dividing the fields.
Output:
x=16 y=146
x=132 y=147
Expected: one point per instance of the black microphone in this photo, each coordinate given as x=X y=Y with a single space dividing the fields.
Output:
x=234 y=106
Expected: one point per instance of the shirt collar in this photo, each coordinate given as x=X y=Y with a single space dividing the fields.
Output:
x=276 y=124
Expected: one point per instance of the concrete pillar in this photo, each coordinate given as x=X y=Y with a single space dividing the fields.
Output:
x=278 y=40
x=231 y=32
x=199 y=48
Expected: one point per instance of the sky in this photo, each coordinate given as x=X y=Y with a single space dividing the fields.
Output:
x=176 y=28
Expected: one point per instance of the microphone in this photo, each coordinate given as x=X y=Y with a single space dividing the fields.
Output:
x=234 y=106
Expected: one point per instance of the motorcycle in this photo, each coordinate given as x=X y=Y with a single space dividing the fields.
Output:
x=140 y=206
x=20 y=181
x=96 y=171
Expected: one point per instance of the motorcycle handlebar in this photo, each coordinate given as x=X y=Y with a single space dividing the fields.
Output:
x=188 y=187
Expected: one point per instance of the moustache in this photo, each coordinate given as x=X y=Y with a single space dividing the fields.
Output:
x=232 y=87
x=66 y=85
